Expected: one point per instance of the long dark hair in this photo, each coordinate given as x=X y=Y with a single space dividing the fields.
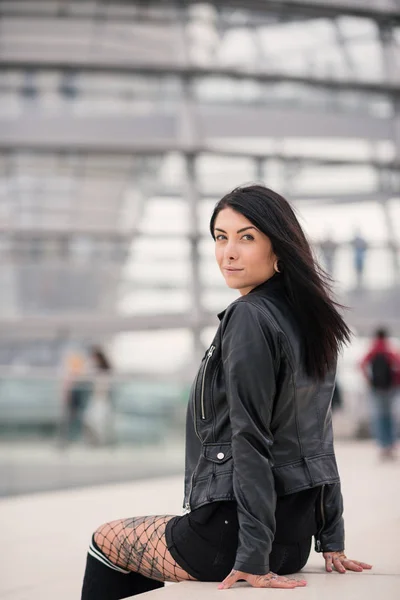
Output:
x=100 y=359
x=307 y=286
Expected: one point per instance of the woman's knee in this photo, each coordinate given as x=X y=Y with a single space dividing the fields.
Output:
x=290 y=558
x=97 y=535
x=105 y=533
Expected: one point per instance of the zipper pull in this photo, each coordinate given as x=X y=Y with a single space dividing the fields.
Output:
x=186 y=510
x=318 y=545
x=211 y=351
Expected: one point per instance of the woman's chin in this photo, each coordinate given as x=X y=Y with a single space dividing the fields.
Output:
x=231 y=284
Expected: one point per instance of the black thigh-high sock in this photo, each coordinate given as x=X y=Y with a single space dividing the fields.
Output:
x=102 y=582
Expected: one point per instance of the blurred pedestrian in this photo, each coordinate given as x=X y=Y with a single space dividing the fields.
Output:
x=75 y=395
x=98 y=416
x=328 y=248
x=360 y=247
x=381 y=367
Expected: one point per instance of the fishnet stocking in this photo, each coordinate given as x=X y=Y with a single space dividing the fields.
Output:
x=139 y=545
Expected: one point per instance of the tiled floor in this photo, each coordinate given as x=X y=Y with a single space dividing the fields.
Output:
x=45 y=536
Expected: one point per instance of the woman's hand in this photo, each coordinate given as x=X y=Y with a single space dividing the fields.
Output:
x=340 y=562
x=269 y=580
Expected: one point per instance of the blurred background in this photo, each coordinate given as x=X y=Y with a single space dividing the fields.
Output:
x=121 y=125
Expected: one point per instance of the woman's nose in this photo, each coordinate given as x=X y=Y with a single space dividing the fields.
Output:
x=231 y=252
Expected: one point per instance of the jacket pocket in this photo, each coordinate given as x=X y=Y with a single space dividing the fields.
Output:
x=220 y=465
x=218 y=454
x=213 y=475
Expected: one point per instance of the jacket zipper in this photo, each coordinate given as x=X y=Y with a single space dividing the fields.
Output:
x=209 y=355
x=187 y=508
x=321 y=506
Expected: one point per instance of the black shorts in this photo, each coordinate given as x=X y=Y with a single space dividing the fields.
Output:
x=204 y=543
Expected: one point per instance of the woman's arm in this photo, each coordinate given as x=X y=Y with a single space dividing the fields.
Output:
x=330 y=534
x=250 y=375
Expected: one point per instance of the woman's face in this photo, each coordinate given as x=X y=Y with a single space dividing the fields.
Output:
x=244 y=254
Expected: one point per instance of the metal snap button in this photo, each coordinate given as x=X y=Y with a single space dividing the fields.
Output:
x=220 y=455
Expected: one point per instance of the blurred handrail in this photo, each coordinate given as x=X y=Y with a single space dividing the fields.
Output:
x=28 y=373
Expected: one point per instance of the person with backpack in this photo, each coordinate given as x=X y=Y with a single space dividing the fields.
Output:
x=381 y=367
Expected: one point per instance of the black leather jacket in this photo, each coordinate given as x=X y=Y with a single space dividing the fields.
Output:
x=258 y=426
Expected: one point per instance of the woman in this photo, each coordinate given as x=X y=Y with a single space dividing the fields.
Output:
x=261 y=477
x=99 y=414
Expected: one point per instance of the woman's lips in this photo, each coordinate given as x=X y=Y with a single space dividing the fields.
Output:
x=232 y=269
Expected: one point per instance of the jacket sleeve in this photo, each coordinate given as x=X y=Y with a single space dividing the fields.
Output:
x=249 y=371
x=330 y=535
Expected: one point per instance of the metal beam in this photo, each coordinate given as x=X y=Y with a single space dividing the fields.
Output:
x=378 y=10
x=38 y=59
x=391 y=166
x=21 y=232
x=313 y=198
x=101 y=324
x=79 y=326
x=158 y=134
x=373 y=9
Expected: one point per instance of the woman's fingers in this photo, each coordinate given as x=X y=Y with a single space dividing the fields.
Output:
x=355 y=565
x=334 y=561
x=350 y=565
x=338 y=561
x=338 y=565
x=270 y=580
x=328 y=562
x=363 y=564
x=284 y=582
x=229 y=580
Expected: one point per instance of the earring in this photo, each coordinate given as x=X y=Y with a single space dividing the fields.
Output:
x=276 y=266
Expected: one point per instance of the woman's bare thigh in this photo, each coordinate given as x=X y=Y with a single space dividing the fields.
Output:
x=139 y=545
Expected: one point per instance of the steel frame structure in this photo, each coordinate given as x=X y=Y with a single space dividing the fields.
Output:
x=193 y=128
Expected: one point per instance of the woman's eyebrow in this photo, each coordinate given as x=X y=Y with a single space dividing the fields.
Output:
x=239 y=230
x=246 y=228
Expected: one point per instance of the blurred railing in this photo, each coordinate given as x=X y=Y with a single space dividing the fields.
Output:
x=96 y=410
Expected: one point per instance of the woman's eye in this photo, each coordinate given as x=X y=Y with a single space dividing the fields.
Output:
x=220 y=237
x=248 y=236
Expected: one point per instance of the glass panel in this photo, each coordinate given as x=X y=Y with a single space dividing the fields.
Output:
x=5 y=247
x=143 y=411
x=394 y=211
x=22 y=6
x=82 y=248
x=169 y=349
x=216 y=300
x=344 y=179
x=146 y=302
x=343 y=223
x=93 y=93
x=175 y=249
x=215 y=172
x=368 y=59
x=163 y=273
x=162 y=215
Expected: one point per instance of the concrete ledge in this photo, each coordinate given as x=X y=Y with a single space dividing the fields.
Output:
x=45 y=537
x=327 y=587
